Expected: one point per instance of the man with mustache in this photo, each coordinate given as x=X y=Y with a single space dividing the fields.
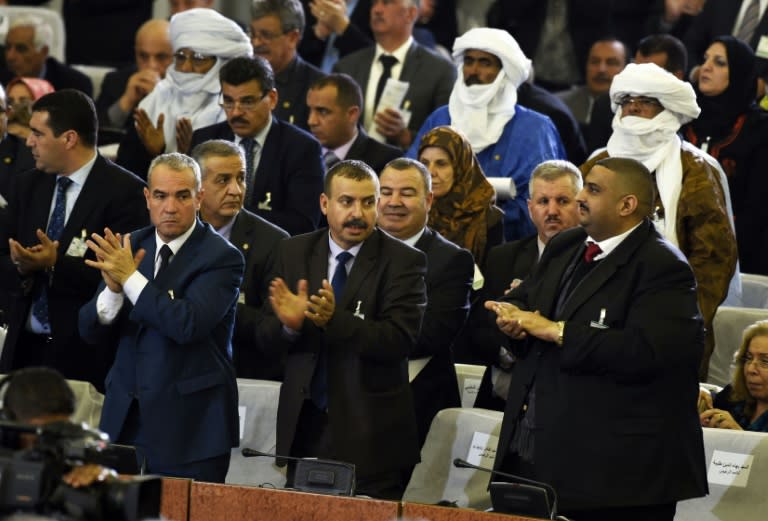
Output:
x=347 y=304
x=607 y=57
x=608 y=338
x=508 y=139
x=406 y=197
x=222 y=165
x=284 y=170
x=276 y=29
x=552 y=205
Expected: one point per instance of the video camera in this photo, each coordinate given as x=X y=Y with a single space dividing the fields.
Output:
x=31 y=478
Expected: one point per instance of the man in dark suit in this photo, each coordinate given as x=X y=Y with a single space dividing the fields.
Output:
x=26 y=54
x=552 y=206
x=334 y=103
x=72 y=192
x=608 y=338
x=276 y=28
x=170 y=306
x=430 y=77
x=346 y=394
x=406 y=197
x=123 y=89
x=222 y=165
x=284 y=172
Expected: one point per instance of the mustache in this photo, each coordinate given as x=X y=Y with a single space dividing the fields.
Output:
x=261 y=49
x=238 y=119
x=472 y=80
x=602 y=77
x=552 y=219
x=356 y=223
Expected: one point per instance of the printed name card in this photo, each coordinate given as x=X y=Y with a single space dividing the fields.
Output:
x=482 y=450
x=729 y=468
x=469 y=391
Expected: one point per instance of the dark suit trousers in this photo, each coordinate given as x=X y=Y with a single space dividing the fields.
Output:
x=211 y=470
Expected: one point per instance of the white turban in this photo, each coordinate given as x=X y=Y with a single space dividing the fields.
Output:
x=482 y=111
x=648 y=79
x=654 y=142
x=192 y=95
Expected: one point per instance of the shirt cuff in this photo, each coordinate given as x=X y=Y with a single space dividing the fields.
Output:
x=134 y=286
x=108 y=306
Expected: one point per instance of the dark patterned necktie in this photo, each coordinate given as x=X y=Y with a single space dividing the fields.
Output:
x=54 y=231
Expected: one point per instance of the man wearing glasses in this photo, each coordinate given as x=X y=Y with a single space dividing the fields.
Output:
x=284 y=169
x=276 y=29
x=651 y=105
x=203 y=41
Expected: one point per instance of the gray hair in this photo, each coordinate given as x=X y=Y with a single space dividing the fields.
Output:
x=290 y=13
x=43 y=31
x=553 y=170
x=404 y=163
x=216 y=148
x=177 y=162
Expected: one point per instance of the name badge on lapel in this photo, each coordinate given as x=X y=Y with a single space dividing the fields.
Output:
x=78 y=247
x=266 y=203
x=600 y=324
x=357 y=313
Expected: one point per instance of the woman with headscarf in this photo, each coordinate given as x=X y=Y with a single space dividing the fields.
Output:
x=463 y=210
x=21 y=93
x=187 y=98
x=734 y=130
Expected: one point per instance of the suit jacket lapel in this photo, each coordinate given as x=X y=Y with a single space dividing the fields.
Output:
x=267 y=163
x=364 y=263
x=88 y=199
x=40 y=205
x=318 y=263
x=241 y=234
x=147 y=265
x=411 y=66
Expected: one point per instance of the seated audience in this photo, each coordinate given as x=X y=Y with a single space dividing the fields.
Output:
x=187 y=98
x=734 y=130
x=21 y=94
x=123 y=89
x=743 y=404
x=27 y=46
x=463 y=211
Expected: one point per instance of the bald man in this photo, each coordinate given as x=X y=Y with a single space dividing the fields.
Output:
x=608 y=337
x=122 y=90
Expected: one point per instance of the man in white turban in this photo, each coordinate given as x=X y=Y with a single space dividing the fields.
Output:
x=508 y=139
x=651 y=105
x=187 y=98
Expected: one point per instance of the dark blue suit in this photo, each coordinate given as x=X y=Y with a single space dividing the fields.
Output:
x=290 y=171
x=173 y=356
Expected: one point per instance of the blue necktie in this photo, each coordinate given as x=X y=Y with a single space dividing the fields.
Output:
x=248 y=145
x=54 y=231
x=319 y=387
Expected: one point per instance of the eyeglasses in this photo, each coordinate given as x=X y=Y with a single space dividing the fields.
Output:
x=264 y=35
x=643 y=102
x=762 y=362
x=197 y=59
x=246 y=103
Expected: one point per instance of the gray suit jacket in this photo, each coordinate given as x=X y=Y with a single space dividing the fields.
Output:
x=431 y=78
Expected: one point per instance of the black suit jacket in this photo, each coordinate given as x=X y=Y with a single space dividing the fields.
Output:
x=449 y=281
x=716 y=18
x=292 y=84
x=59 y=75
x=257 y=240
x=430 y=77
x=110 y=197
x=374 y=154
x=289 y=178
x=357 y=36
x=613 y=418
x=367 y=342
x=15 y=158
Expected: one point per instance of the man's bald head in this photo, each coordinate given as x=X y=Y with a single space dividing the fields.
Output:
x=153 y=46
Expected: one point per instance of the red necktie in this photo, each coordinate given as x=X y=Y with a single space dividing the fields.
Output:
x=592 y=251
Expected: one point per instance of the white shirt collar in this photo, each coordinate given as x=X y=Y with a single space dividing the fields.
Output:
x=400 y=53
x=80 y=175
x=342 y=151
x=260 y=137
x=176 y=244
x=611 y=243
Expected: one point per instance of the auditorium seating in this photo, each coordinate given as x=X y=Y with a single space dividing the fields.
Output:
x=728 y=325
x=258 y=419
x=88 y=404
x=470 y=434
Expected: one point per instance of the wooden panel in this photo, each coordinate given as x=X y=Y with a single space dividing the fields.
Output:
x=435 y=513
x=174 y=501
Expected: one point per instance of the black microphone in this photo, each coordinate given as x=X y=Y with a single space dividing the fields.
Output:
x=544 y=488
x=320 y=476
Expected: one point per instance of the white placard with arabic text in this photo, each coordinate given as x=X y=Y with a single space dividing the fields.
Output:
x=729 y=468
x=482 y=450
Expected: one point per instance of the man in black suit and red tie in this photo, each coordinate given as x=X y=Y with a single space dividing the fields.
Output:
x=608 y=338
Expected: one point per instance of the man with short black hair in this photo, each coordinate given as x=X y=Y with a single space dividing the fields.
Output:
x=284 y=172
x=335 y=103
x=72 y=192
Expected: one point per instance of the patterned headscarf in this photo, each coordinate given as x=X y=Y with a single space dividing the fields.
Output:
x=465 y=213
